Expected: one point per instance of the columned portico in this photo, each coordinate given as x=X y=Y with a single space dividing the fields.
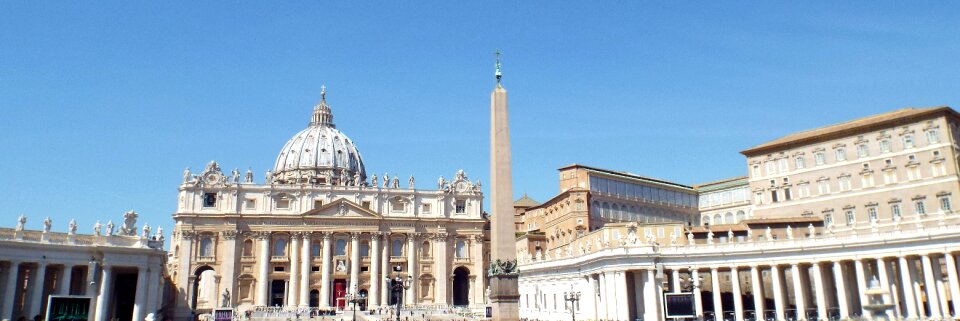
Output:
x=12 y=271
x=373 y=297
x=325 y=271
x=758 y=295
x=263 y=282
x=305 y=271
x=778 y=299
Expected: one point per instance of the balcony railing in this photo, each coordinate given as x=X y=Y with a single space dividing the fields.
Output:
x=279 y=258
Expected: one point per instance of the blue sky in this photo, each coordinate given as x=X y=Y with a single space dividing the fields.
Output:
x=103 y=104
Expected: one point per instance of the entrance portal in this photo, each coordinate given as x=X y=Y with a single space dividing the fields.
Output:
x=277 y=288
x=461 y=286
x=339 y=291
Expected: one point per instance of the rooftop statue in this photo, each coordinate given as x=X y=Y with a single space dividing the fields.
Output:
x=47 y=224
x=20 y=222
x=72 y=227
x=129 y=227
x=96 y=228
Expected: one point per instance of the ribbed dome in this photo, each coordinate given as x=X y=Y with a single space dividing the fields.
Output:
x=320 y=154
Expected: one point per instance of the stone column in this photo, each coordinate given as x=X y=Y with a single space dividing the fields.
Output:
x=411 y=298
x=954 y=283
x=737 y=296
x=294 y=252
x=882 y=275
x=717 y=302
x=36 y=289
x=140 y=298
x=840 y=282
x=639 y=302
x=105 y=297
x=185 y=256
x=697 y=294
x=798 y=290
x=610 y=290
x=373 y=296
x=650 y=309
x=66 y=277
x=442 y=259
x=821 y=294
x=154 y=295
x=675 y=275
x=325 y=271
x=620 y=281
x=354 y=263
x=916 y=274
x=602 y=289
x=941 y=290
x=933 y=299
x=757 y=282
x=228 y=268
x=10 y=291
x=862 y=287
x=385 y=269
x=477 y=261
x=777 y=291
x=906 y=278
x=306 y=264
x=591 y=296
x=263 y=279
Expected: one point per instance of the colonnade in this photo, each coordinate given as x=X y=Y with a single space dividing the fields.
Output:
x=300 y=258
x=30 y=283
x=910 y=286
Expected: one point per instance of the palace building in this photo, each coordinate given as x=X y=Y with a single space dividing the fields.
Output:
x=116 y=273
x=844 y=221
x=322 y=227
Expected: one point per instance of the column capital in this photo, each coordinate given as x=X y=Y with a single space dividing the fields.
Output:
x=375 y=236
x=306 y=236
x=326 y=235
x=263 y=235
x=229 y=234
x=354 y=236
x=296 y=234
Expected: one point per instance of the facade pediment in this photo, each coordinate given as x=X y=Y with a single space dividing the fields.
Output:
x=342 y=208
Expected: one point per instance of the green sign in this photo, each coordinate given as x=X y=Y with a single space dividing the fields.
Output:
x=69 y=308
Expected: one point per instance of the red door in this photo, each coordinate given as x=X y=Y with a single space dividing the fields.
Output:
x=339 y=291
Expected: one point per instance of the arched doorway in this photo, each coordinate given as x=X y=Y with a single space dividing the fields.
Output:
x=314 y=298
x=461 y=286
x=363 y=305
x=202 y=279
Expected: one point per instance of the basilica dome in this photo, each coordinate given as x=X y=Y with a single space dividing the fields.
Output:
x=320 y=154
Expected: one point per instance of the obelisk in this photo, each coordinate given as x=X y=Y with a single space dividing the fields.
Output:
x=504 y=295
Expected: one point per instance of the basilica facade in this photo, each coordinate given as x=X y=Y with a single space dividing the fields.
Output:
x=321 y=229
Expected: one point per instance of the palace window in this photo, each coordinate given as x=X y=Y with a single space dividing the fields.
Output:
x=340 y=247
x=828 y=219
x=851 y=218
x=907 y=141
x=280 y=247
x=933 y=136
x=283 y=203
x=209 y=199
x=250 y=204
x=895 y=211
x=396 y=248
x=798 y=162
x=365 y=204
x=945 y=203
x=786 y=194
x=315 y=249
x=425 y=249
x=771 y=168
x=819 y=159
x=206 y=247
x=426 y=209
x=844 y=183
x=783 y=165
x=919 y=207
x=397 y=205
x=872 y=214
x=884 y=146
x=461 y=206
x=461 y=250
x=364 y=249
x=841 y=154
x=317 y=204
x=773 y=196
x=863 y=150
x=756 y=170
x=248 y=248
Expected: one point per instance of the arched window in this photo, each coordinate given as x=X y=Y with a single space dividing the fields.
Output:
x=396 y=248
x=425 y=249
x=206 y=247
x=705 y=220
x=461 y=249
x=717 y=219
x=340 y=248
x=741 y=216
x=728 y=218
x=248 y=247
x=280 y=247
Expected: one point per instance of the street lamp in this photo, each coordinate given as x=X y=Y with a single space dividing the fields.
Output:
x=354 y=299
x=573 y=297
x=397 y=286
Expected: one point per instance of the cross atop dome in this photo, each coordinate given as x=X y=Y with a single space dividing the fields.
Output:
x=322 y=116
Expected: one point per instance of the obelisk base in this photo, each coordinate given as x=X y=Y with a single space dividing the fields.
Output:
x=505 y=297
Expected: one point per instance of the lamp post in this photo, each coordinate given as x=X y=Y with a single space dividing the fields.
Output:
x=355 y=298
x=573 y=297
x=396 y=287
x=690 y=284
